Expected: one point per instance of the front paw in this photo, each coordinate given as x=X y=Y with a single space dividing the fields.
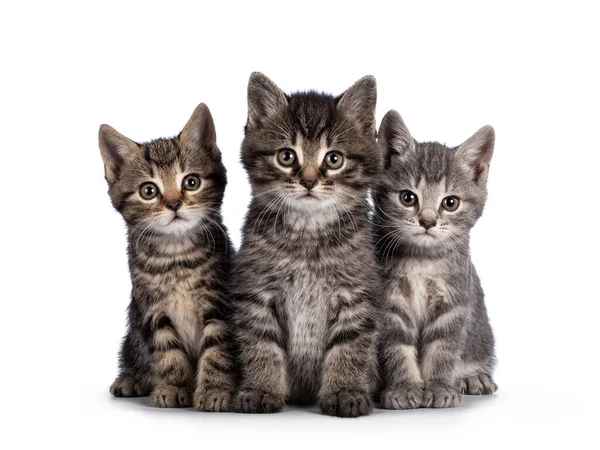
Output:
x=256 y=401
x=481 y=384
x=213 y=400
x=346 y=403
x=438 y=395
x=125 y=386
x=169 y=396
x=408 y=397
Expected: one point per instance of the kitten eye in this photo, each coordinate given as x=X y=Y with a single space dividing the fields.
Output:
x=450 y=203
x=286 y=157
x=148 y=191
x=408 y=198
x=191 y=182
x=334 y=160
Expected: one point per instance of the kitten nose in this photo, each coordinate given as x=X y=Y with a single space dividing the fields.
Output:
x=174 y=205
x=428 y=218
x=308 y=182
x=427 y=224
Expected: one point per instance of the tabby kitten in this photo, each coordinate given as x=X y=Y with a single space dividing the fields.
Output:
x=436 y=340
x=169 y=191
x=305 y=278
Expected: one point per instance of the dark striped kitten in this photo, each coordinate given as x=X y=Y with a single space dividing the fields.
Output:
x=436 y=340
x=305 y=278
x=169 y=191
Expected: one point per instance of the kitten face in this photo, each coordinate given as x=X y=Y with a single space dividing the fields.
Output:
x=430 y=195
x=310 y=152
x=166 y=186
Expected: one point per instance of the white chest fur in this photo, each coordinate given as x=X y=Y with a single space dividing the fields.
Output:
x=307 y=301
x=179 y=301
x=305 y=307
x=184 y=309
x=420 y=285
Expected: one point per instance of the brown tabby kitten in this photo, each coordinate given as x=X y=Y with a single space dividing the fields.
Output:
x=305 y=280
x=169 y=191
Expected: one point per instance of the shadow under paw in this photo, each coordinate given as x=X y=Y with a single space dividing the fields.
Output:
x=481 y=384
x=169 y=396
x=402 y=398
x=256 y=401
x=440 y=396
x=346 y=403
x=213 y=400
x=126 y=386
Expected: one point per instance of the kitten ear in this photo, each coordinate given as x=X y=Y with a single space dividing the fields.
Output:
x=476 y=152
x=264 y=98
x=393 y=137
x=115 y=149
x=359 y=102
x=200 y=134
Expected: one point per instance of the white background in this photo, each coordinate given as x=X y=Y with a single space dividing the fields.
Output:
x=529 y=69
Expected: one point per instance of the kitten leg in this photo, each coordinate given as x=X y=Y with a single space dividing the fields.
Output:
x=264 y=385
x=441 y=340
x=133 y=380
x=215 y=381
x=350 y=362
x=402 y=381
x=474 y=373
x=171 y=367
x=404 y=387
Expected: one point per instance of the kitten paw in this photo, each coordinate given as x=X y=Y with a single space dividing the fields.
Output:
x=214 y=400
x=168 y=396
x=125 y=386
x=256 y=401
x=410 y=397
x=481 y=384
x=439 y=395
x=346 y=403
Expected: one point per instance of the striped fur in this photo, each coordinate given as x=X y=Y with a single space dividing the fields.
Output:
x=436 y=340
x=178 y=345
x=305 y=279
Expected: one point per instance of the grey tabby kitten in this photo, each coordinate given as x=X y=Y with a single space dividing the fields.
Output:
x=436 y=340
x=169 y=191
x=305 y=278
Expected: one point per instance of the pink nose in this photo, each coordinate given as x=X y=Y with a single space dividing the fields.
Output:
x=174 y=205
x=427 y=224
x=308 y=182
x=428 y=218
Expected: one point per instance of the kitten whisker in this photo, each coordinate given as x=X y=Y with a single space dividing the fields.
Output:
x=348 y=212
x=137 y=244
x=282 y=203
x=267 y=209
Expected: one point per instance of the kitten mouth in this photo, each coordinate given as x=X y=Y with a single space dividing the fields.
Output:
x=308 y=195
x=177 y=219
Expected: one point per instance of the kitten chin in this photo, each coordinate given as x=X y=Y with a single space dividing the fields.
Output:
x=180 y=225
